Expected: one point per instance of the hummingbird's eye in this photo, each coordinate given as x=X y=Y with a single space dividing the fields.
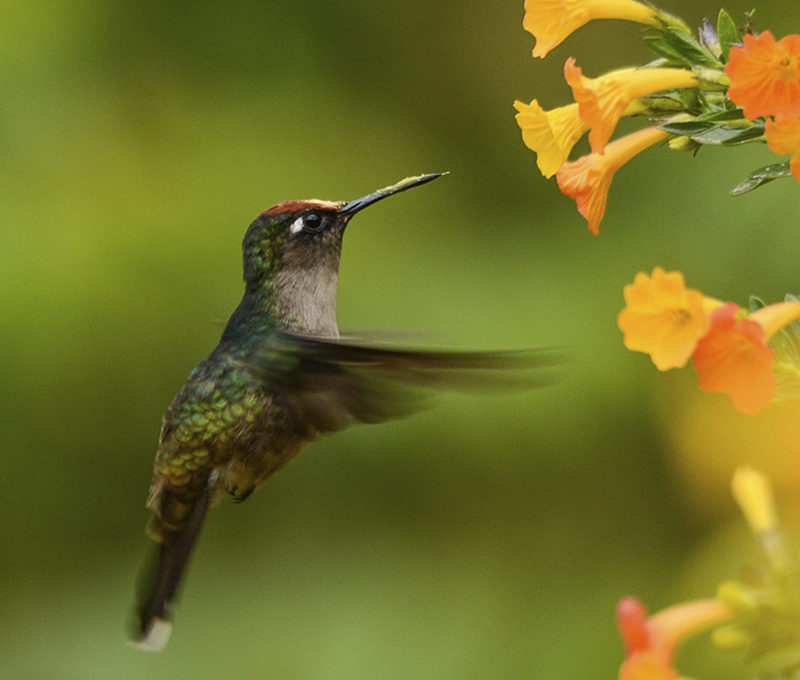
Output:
x=313 y=222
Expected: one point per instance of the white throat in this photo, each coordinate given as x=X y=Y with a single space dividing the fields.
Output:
x=307 y=300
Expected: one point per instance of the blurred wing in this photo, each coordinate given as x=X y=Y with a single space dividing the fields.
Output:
x=332 y=383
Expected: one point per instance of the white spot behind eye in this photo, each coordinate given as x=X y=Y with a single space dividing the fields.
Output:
x=296 y=226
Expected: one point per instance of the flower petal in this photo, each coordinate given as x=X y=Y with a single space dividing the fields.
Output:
x=783 y=137
x=603 y=100
x=663 y=318
x=588 y=179
x=552 y=21
x=551 y=134
x=734 y=358
x=765 y=76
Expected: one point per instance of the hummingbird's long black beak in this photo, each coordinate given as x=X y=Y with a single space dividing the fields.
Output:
x=352 y=207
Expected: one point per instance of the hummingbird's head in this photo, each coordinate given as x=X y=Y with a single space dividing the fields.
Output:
x=291 y=254
x=298 y=236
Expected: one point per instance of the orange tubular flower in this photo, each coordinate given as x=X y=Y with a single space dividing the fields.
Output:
x=663 y=318
x=783 y=137
x=551 y=134
x=588 y=179
x=602 y=101
x=765 y=76
x=551 y=21
x=734 y=356
x=650 y=642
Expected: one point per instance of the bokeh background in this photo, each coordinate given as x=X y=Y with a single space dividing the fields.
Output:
x=488 y=538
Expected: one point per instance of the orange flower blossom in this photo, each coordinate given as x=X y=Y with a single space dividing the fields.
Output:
x=783 y=137
x=663 y=318
x=734 y=358
x=551 y=21
x=603 y=100
x=552 y=134
x=765 y=76
x=650 y=643
x=587 y=180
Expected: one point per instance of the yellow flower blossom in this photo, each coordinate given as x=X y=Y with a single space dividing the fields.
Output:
x=552 y=134
x=552 y=21
x=774 y=317
x=753 y=493
x=663 y=318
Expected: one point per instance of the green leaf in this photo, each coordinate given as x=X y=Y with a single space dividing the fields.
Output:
x=690 y=50
x=727 y=116
x=727 y=32
x=709 y=132
x=729 y=136
x=688 y=128
x=754 y=303
x=762 y=176
x=660 y=47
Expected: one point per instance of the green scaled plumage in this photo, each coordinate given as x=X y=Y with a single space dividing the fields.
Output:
x=279 y=376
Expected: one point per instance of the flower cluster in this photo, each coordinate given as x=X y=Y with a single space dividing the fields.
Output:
x=726 y=86
x=758 y=618
x=746 y=354
x=700 y=91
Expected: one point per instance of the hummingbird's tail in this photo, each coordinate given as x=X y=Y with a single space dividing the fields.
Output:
x=159 y=583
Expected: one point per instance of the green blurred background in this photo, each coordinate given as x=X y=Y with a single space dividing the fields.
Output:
x=488 y=538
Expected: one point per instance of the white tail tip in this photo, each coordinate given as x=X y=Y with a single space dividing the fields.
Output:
x=156 y=637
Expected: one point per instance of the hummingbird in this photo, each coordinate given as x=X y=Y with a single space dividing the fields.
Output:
x=281 y=375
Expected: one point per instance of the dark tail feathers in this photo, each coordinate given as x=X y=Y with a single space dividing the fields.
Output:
x=160 y=580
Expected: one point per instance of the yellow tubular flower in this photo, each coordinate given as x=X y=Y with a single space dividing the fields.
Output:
x=752 y=492
x=588 y=179
x=551 y=21
x=552 y=134
x=775 y=316
x=602 y=101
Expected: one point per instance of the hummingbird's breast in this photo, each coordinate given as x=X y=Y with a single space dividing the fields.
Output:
x=229 y=418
